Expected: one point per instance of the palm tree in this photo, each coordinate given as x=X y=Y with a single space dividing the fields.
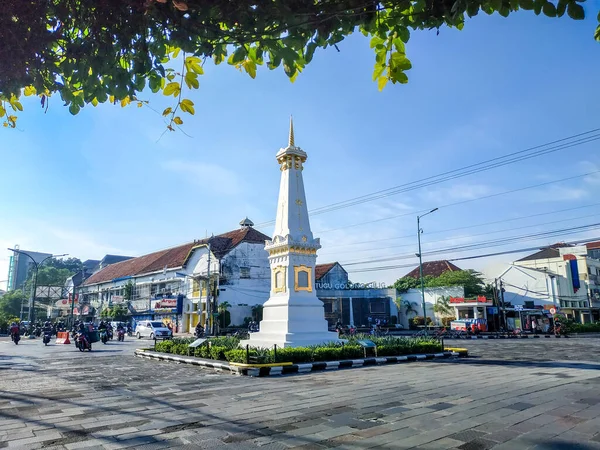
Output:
x=409 y=307
x=222 y=308
x=442 y=307
x=257 y=313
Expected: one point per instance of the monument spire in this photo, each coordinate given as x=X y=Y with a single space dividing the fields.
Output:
x=291 y=141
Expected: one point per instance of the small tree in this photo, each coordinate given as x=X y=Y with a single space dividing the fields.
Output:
x=257 y=313
x=224 y=315
x=442 y=306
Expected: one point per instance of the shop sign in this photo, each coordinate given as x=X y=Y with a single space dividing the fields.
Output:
x=165 y=310
x=166 y=303
x=117 y=299
x=518 y=307
x=492 y=310
x=479 y=299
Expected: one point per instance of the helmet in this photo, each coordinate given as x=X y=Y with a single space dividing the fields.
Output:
x=47 y=322
x=14 y=324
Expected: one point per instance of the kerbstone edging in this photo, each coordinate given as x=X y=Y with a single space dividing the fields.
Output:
x=291 y=369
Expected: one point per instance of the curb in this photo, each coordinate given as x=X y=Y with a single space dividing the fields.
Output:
x=293 y=368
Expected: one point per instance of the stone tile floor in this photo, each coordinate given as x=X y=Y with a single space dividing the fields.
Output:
x=542 y=394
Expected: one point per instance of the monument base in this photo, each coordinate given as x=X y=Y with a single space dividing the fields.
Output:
x=292 y=322
x=267 y=340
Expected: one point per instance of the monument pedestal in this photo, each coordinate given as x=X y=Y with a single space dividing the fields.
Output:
x=292 y=322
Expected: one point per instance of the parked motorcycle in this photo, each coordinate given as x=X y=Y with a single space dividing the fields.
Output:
x=104 y=336
x=47 y=337
x=82 y=343
x=121 y=335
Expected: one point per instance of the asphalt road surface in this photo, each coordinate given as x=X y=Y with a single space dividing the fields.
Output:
x=511 y=395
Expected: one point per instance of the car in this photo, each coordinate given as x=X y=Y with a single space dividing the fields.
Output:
x=152 y=329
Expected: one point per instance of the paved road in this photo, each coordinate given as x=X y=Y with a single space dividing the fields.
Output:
x=501 y=399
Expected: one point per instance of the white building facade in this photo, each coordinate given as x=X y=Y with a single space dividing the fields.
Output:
x=173 y=284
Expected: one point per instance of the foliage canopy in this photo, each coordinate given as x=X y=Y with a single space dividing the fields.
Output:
x=471 y=280
x=91 y=52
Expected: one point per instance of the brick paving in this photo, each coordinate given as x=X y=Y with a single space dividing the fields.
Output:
x=510 y=395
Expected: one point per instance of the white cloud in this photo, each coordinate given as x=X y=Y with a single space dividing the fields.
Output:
x=455 y=192
x=212 y=177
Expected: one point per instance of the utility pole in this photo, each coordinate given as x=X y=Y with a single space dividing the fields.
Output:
x=207 y=328
x=419 y=231
x=503 y=305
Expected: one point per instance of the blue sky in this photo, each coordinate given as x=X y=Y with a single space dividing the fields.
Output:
x=106 y=182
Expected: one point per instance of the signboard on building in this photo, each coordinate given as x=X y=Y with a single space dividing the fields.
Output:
x=117 y=299
x=166 y=303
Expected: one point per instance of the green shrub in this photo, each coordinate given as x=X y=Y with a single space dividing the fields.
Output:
x=419 y=321
x=583 y=327
x=327 y=353
x=352 y=352
x=202 y=351
x=294 y=355
x=236 y=356
x=164 y=346
x=218 y=352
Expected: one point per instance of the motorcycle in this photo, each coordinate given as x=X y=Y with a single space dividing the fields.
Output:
x=47 y=337
x=82 y=343
x=121 y=335
x=104 y=336
x=199 y=332
x=38 y=332
x=15 y=338
x=109 y=332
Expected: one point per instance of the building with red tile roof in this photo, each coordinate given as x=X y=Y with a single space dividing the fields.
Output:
x=433 y=269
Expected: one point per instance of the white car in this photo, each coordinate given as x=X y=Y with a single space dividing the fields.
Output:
x=152 y=329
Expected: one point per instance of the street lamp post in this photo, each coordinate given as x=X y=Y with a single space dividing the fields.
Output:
x=36 y=266
x=419 y=231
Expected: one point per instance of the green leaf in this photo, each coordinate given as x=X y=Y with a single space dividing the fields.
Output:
x=167 y=111
x=2 y=111
x=495 y=4
x=194 y=64
x=29 y=90
x=400 y=61
x=526 y=4
x=95 y=102
x=400 y=77
x=172 y=88
x=74 y=109
x=575 y=11
x=597 y=33
x=379 y=68
x=561 y=7
x=404 y=34
x=250 y=67
x=177 y=120
x=238 y=56
x=187 y=106
x=310 y=51
x=549 y=9
x=375 y=41
x=191 y=80
x=381 y=82
x=16 y=105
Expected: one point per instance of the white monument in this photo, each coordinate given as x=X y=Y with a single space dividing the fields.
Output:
x=293 y=316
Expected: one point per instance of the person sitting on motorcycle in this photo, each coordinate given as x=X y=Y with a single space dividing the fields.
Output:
x=47 y=327
x=14 y=329
x=199 y=330
x=102 y=325
x=82 y=330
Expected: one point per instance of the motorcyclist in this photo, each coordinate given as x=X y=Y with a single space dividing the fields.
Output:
x=47 y=327
x=199 y=330
x=82 y=330
x=14 y=329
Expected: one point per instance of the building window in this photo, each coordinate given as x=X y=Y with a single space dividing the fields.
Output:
x=528 y=304
x=195 y=288
x=328 y=307
x=244 y=272
x=377 y=307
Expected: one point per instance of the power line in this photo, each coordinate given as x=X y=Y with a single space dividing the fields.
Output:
x=485 y=244
x=462 y=202
x=465 y=258
x=461 y=172
x=468 y=236
x=466 y=227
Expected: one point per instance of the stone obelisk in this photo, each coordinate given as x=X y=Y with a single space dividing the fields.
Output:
x=293 y=316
